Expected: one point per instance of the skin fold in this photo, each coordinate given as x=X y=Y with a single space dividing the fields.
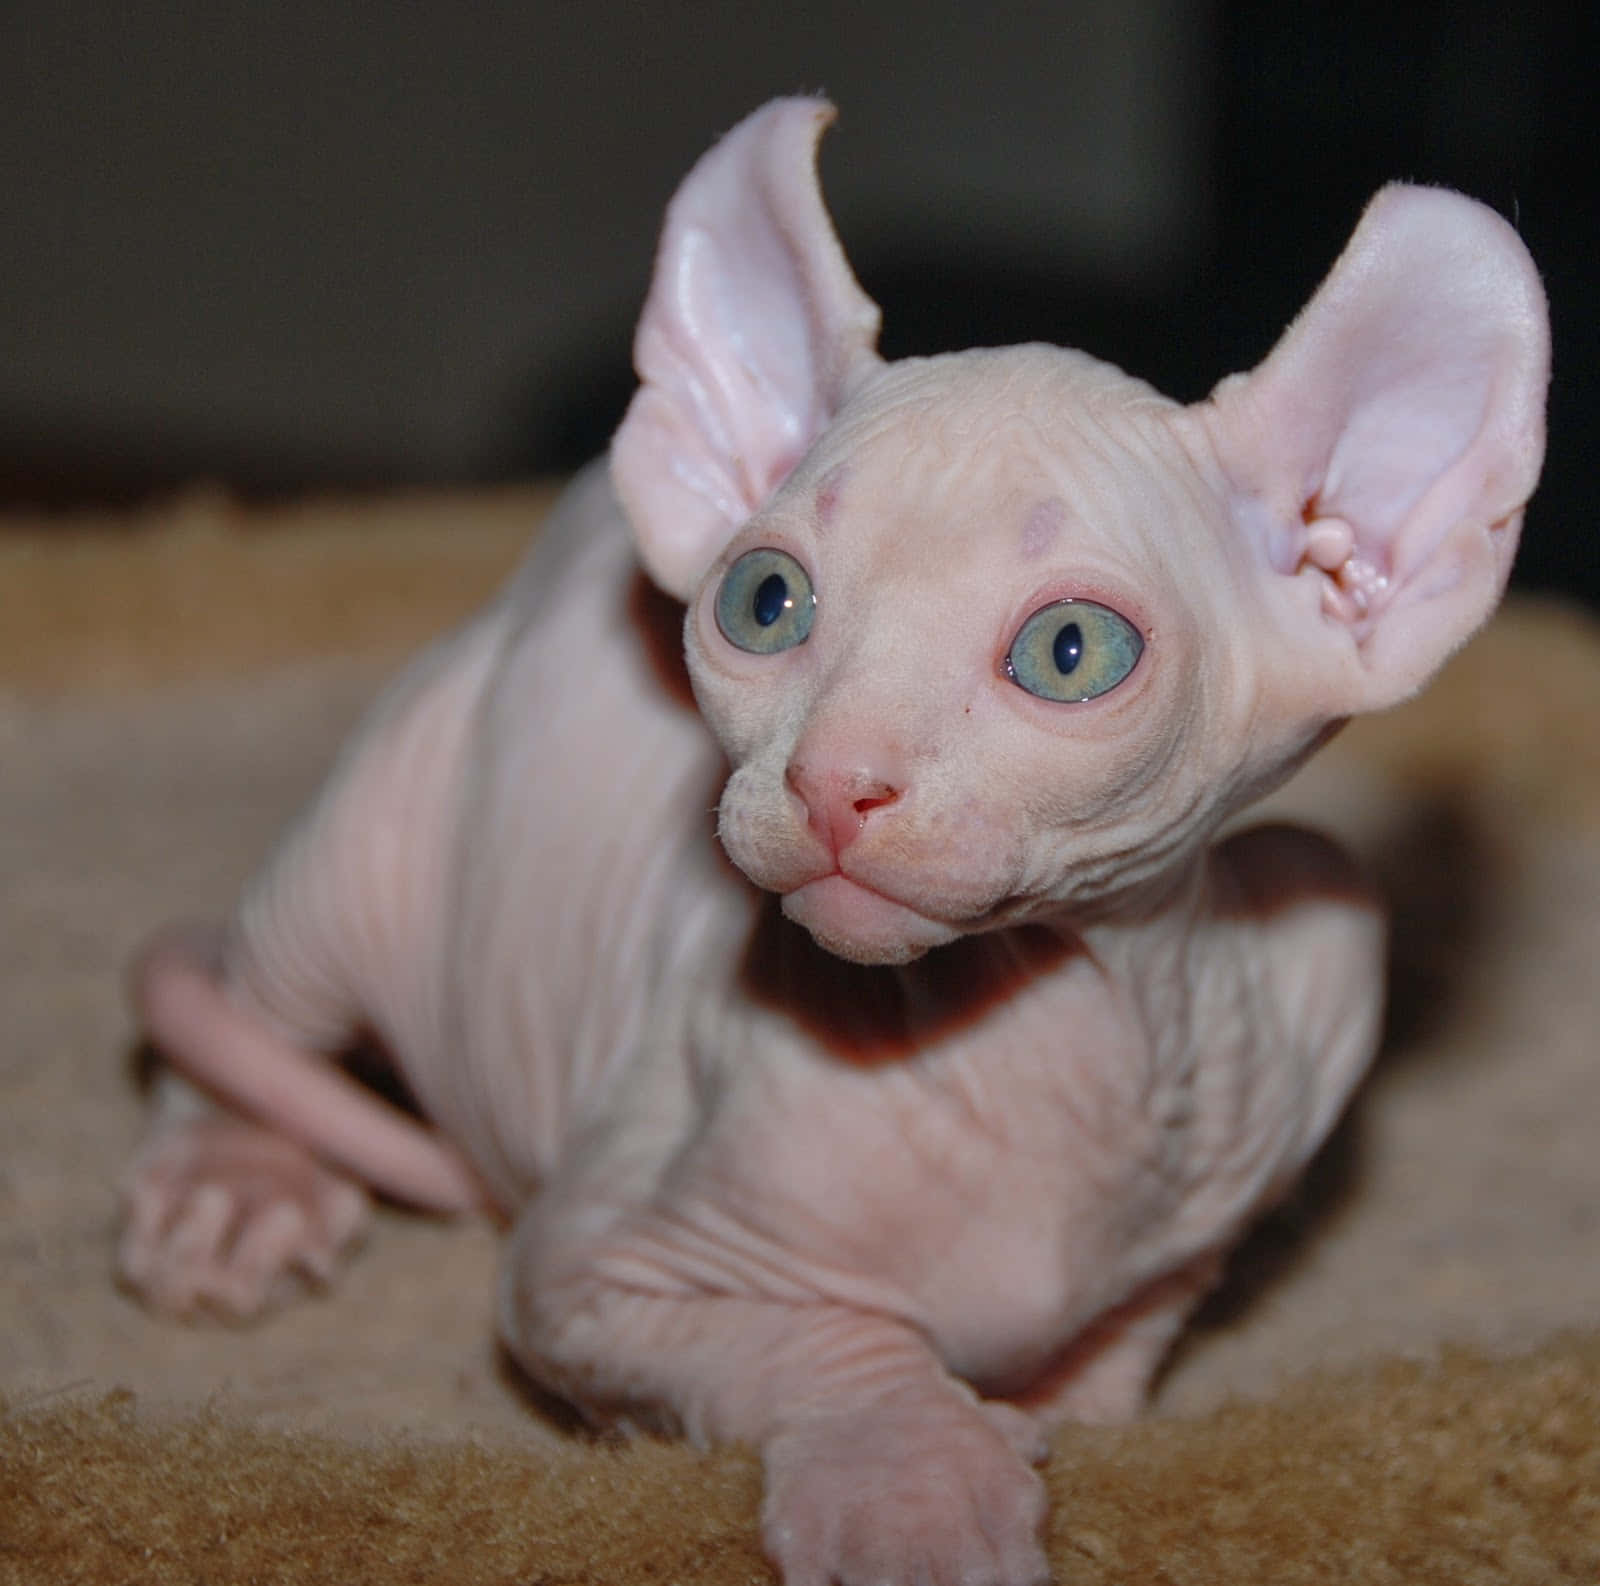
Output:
x=837 y=984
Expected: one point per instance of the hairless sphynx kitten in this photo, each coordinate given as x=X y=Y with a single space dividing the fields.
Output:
x=906 y=1106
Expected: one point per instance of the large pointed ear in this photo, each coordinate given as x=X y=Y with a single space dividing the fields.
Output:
x=753 y=333
x=1379 y=459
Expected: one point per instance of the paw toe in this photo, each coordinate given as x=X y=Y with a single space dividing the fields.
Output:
x=225 y=1218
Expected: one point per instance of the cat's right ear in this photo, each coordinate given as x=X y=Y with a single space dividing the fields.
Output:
x=1379 y=459
x=752 y=335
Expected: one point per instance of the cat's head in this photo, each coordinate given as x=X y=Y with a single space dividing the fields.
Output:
x=1006 y=631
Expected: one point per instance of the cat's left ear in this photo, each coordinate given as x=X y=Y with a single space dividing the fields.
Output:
x=1377 y=463
x=753 y=333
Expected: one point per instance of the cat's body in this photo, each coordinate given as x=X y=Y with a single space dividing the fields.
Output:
x=761 y=1192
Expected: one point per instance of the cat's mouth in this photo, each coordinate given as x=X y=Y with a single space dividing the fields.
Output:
x=858 y=922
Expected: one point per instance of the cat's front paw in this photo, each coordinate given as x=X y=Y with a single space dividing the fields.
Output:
x=225 y=1217
x=936 y=1491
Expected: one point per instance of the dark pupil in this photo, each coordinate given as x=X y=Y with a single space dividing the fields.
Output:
x=772 y=595
x=1067 y=650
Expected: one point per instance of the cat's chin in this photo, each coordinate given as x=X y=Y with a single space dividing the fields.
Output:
x=854 y=922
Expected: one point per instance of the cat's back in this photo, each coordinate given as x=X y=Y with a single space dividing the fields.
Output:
x=585 y=879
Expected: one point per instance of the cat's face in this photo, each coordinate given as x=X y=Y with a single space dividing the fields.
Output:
x=1006 y=632
x=967 y=663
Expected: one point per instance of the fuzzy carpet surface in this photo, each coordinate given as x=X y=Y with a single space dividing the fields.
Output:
x=1400 y=1380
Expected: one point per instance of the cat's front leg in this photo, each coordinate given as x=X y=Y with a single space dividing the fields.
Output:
x=880 y=1467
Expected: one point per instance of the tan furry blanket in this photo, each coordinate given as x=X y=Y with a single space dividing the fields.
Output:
x=170 y=688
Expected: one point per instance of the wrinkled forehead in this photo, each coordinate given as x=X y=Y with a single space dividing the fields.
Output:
x=1023 y=446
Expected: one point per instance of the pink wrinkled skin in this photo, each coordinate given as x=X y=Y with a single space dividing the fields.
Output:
x=909 y=1104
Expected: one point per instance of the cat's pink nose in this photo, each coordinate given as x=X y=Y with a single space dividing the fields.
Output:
x=838 y=802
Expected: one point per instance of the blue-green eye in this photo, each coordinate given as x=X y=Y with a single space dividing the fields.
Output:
x=1072 y=650
x=765 y=603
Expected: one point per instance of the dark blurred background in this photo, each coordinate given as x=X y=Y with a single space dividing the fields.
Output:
x=299 y=245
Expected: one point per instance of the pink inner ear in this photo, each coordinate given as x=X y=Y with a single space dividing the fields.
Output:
x=753 y=331
x=1406 y=393
x=1416 y=384
x=1389 y=441
x=729 y=343
x=1400 y=479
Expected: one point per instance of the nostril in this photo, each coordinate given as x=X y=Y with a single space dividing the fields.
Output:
x=873 y=801
x=835 y=802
